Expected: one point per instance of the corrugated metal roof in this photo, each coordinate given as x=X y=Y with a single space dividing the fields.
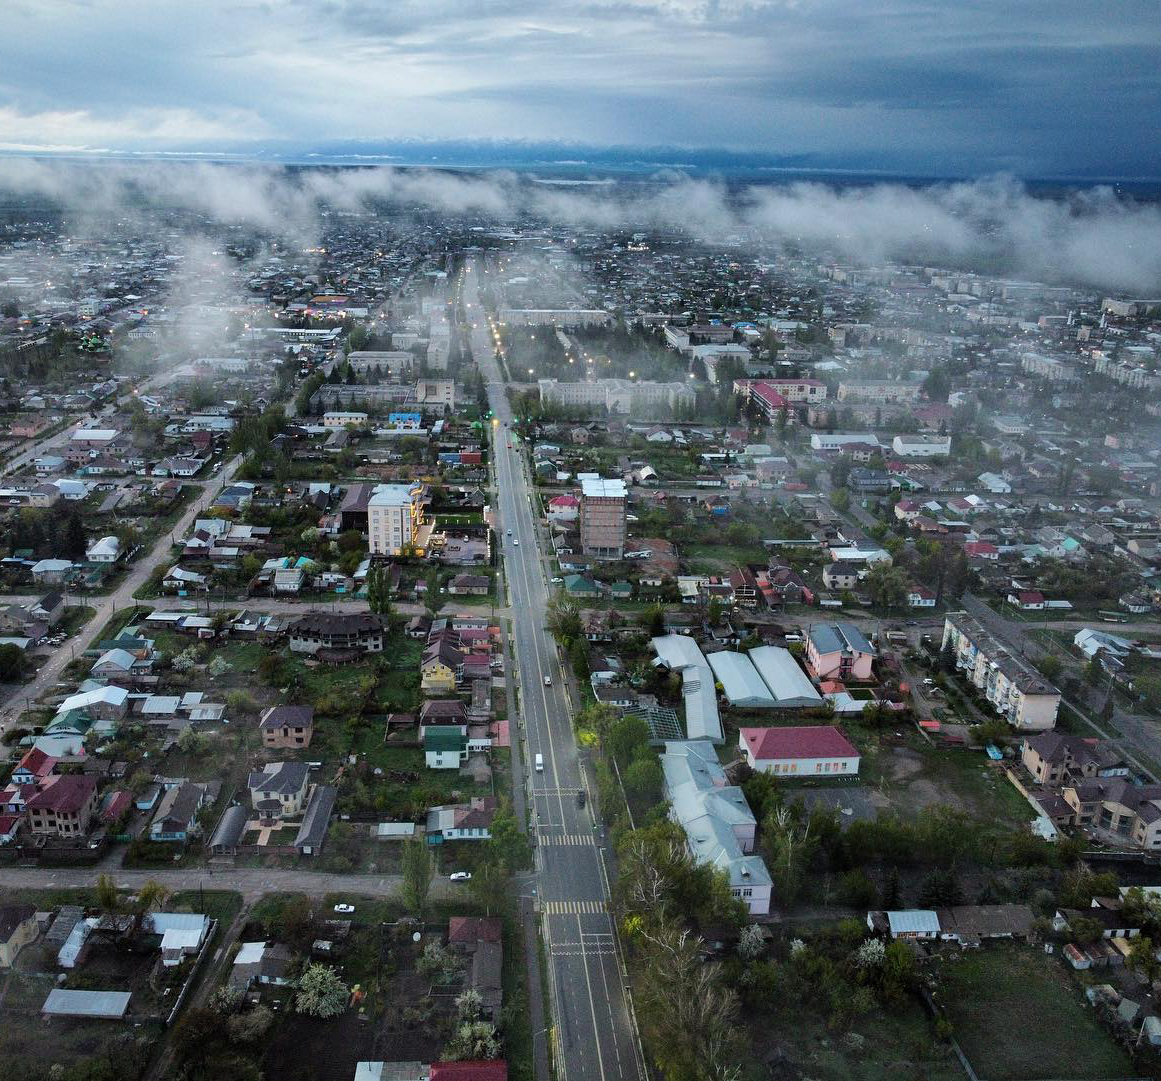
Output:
x=786 y=681
x=65 y=1003
x=740 y=680
x=913 y=921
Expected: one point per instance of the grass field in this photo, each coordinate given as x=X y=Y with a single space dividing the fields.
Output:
x=1018 y=1015
x=898 y=1045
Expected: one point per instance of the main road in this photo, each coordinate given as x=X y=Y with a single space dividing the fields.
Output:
x=594 y=1037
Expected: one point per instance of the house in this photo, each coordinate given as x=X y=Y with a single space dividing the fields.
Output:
x=808 y=751
x=18 y=927
x=34 y=768
x=177 y=579
x=52 y=571
x=839 y=651
x=279 y=789
x=312 y=832
x=920 y=597
x=48 y=609
x=104 y=550
x=65 y=808
x=440 y=668
x=100 y=703
x=340 y=632
x=840 y=575
x=1054 y=757
x=445 y=746
x=1027 y=600
x=461 y=821
x=470 y=585
x=176 y=814
x=915 y=923
x=286 y=727
x=1123 y=811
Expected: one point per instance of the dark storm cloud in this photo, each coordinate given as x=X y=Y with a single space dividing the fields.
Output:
x=930 y=85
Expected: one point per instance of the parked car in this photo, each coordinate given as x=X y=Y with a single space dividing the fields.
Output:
x=345 y=909
x=460 y=876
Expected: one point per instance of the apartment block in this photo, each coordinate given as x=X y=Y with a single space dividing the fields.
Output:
x=394 y=518
x=1018 y=692
x=602 y=517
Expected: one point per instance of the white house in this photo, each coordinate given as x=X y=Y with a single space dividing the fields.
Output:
x=105 y=550
x=922 y=446
x=994 y=483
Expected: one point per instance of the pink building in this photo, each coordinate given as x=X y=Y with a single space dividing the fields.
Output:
x=839 y=651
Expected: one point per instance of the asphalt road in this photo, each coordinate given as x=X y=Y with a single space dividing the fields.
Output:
x=121 y=597
x=594 y=1035
x=251 y=882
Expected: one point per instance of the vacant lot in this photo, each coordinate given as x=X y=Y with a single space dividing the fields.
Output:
x=894 y=1046
x=1018 y=1014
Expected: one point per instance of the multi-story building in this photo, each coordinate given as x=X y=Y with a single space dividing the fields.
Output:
x=1018 y=692
x=394 y=518
x=556 y=317
x=798 y=391
x=342 y=631
x=623 y=396
x=286 y=726
x=65 y=807
x=602 y=517
x=839 y=651
x=877 y=390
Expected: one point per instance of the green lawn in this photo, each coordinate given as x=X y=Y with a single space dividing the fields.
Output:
x=1018 y=1014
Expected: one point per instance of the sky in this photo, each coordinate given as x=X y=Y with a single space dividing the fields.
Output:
x=1031 y=88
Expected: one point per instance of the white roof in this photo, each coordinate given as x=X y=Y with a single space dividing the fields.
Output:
x=177 y=938
x=740 y=680
x=785 y=679
x=105 y=546
x=913 y=921
x=103 y=435
x=602 y=487
x=681 y=654
x=178 y=921
x=392 y=495
x=114 y=696
x=66 y=1003
x=250 y=953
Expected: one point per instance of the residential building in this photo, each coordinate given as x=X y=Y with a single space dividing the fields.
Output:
x=395 y=519
x=278 y=790
x=360 y=632
x=1054 y=757
x=104 y=550
x=602 y=517
x=445 y=746
x=719 y=826
x=18 y=927
x=343 y=419
x=809 y=751
x=461 y=821
x=176 y=814
x=798 y=391
x=840 y=576
x=64 y=808
x=839 y=651
x=878 y=391
x=1129 y=813
x=1016 y=690
x=286 y=727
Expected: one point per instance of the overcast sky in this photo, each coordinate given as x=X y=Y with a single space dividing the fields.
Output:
x=1031 y=87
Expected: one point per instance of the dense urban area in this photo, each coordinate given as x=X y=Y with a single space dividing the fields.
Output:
x=460 y=646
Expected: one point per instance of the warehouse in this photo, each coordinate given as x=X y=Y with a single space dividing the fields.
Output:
x=106 y=1005
x=740 y=681
x=787 y=682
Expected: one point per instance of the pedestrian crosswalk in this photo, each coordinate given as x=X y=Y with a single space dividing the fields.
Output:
x=572 y=908
x=566 y=839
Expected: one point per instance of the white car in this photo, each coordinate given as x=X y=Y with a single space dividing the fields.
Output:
x=508 y=532
x=548 y=681
x=516 y=544
x=556 y=581
x=460 y=876
x=345 y=909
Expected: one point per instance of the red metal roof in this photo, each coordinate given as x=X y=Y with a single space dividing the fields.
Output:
x=812 y=741
x=495 y=1070
x=67 y=794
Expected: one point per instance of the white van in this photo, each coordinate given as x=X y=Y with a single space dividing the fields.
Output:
x=539 y=763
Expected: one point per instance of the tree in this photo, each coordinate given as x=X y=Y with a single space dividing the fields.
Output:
x=1050 y=667
x=417 y=875
x=840 y=499
x=887 y=585
x=488 y=886
x=1142 y=959
x=108 y=899
x=250 y=1026
x=320 y=992
x=1094 y=671
x=507 y=845
x=643 y=779
x=148 y=898
x=473 y=1041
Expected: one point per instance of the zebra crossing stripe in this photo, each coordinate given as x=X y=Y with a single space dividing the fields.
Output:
x=567 y=839
x=573 y=908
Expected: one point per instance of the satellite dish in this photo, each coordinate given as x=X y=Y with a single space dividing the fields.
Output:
x=416 y=936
